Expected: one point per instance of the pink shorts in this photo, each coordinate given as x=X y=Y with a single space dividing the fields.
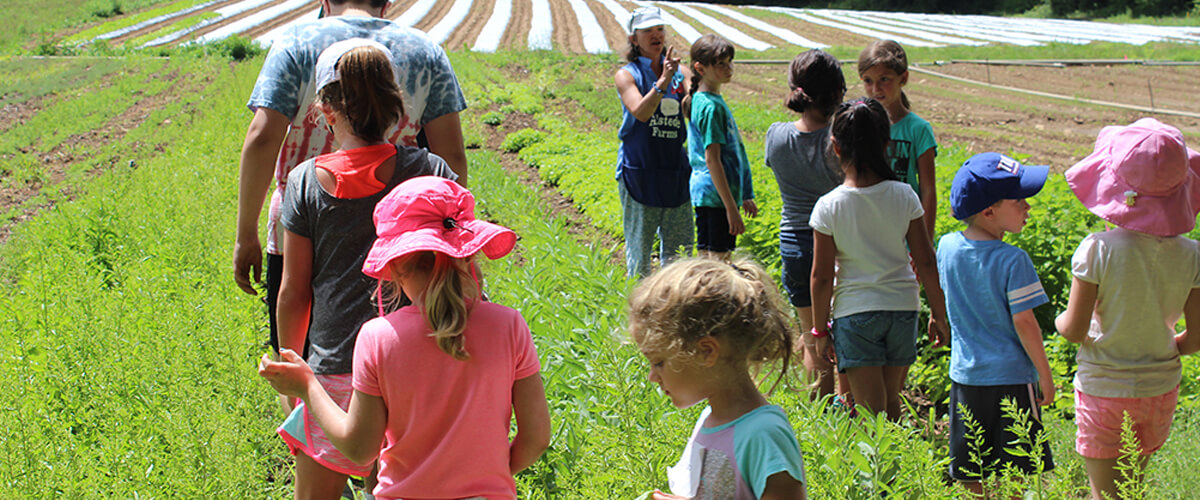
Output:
x=303 y=435
x=1099 y=422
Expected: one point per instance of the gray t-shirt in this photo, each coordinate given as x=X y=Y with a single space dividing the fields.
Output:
x=342 y=231
x=805 y=169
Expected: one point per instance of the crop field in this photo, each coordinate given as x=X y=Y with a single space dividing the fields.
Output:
x=128 y=355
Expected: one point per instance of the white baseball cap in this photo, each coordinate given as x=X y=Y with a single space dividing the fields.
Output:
x=645 y=17
x=327 y=71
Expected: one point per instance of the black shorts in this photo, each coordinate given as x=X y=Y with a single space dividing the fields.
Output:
x=274 y=279
x=983 y=401
x=712 y=230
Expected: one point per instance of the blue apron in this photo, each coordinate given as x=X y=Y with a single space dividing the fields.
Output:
x=652 y=161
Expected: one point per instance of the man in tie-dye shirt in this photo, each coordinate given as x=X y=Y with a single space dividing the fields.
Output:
x=286 y=131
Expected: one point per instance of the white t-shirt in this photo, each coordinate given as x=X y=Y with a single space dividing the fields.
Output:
x=1144 y=281
x=869 y=226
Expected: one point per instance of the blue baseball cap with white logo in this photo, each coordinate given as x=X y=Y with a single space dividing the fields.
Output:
x=987 y=178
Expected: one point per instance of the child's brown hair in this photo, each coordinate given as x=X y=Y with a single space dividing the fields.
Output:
x=891 y=55
x=366 y=93
x=671 y=310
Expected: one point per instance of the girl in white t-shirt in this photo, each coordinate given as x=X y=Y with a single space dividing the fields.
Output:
x=436 y=383
x=1130 y=285
x=863 y=227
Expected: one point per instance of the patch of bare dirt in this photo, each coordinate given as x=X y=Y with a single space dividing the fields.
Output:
x=398 y=8
x=567 y=36
x=516 y=37
x=465 y=35
x=435 y=14
x=15 y=114
x=78 y=148
x=614 y=31
x=578 y=225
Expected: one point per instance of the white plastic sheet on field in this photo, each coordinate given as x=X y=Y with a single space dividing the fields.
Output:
x=441 y=31
x=541 y=26
x=806 y=16
x=852 y=17
x=593 y=35
x=155 y=20
x=758 y=24
x=935 y=25
x=493 y=31
x=249 y=22
x=730 y=33
x=416 y=12
x=685 y=30
x=618 y=12
x=268 y=38
x=223 y=13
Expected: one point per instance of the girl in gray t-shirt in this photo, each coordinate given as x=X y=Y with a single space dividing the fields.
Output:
x=805 y=167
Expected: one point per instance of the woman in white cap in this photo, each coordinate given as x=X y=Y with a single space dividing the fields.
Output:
x=652 y=165
x=326 y=215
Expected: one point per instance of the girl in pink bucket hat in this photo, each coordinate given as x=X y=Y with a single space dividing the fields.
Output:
x=435 y=382
x=1130 y=286
x=326 y=221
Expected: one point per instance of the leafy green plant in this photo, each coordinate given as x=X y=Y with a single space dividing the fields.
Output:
x=522 y=139
x=492 y=118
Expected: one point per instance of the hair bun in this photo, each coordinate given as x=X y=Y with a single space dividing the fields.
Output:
x=798 y=100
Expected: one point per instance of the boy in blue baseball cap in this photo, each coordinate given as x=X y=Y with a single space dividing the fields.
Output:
x=991 y=288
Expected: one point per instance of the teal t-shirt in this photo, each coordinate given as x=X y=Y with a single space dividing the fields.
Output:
x=736 y=458
x=712 y=123
x=911 y=137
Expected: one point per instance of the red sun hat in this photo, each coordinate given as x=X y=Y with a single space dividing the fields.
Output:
x=1141 y=177
x=432 y=214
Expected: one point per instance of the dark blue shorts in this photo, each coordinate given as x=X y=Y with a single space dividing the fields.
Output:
x=995 y=440
x=796 y=250
x=712 y=230
x=875 y=338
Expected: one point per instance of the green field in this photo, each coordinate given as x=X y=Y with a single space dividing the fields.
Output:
x=129 y=355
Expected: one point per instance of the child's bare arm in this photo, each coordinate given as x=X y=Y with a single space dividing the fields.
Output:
x=1081 y=302
x=927 y=187
x=1030 y=334
x=533 y=423
x=821 y=287
x=921 y=248
x=295 y=291
x=782 y=486
x=716 y=169
x=1187 y=342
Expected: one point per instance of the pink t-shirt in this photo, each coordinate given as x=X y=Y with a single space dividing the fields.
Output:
x=448 y=420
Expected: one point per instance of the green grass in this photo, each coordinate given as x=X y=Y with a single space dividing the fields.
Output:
x=28 y=22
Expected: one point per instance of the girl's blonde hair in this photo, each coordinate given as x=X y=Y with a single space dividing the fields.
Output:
x=735 y=302
x=891 y=55
x=366 y=94
x=446 y=299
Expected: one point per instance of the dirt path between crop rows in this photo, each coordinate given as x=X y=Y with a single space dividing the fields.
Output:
x=465 y=34
x=435 y=15
x=516 y=36
x=568 y=37
x=281 y=20
x=79 y=148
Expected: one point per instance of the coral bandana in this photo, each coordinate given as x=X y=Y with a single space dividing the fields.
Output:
x=354 y=169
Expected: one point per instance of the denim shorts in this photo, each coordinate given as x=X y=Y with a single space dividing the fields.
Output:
x=875 y=338
x=796 y=250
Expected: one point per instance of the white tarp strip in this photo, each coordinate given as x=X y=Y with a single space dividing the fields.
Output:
x=249 y=22
x=441 y=31
x=804 y=15
x=685 y=30
x=222 y=14
x=997 y=27
x=155 y=20
x=1094 y=31
x=269 y=37
x=416 y=12
x=922 y=21
x=493 y=31
x=758 y=24
x=541 y=26
x=728 y=32
x=593 y=35
x=618 y=12
x=927 y=34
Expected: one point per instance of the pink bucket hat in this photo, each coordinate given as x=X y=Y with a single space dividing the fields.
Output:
x=432 y=213
x=1141 y=177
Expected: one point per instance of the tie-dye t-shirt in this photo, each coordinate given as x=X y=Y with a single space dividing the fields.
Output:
x=286 y=84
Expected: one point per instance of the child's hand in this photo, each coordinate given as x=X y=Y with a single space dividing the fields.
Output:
x=750 y=207
x=1047 y=385
x=736 y=226
x=290 y=376
x=658 y=495
x=939 y=332
x=825 y=350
